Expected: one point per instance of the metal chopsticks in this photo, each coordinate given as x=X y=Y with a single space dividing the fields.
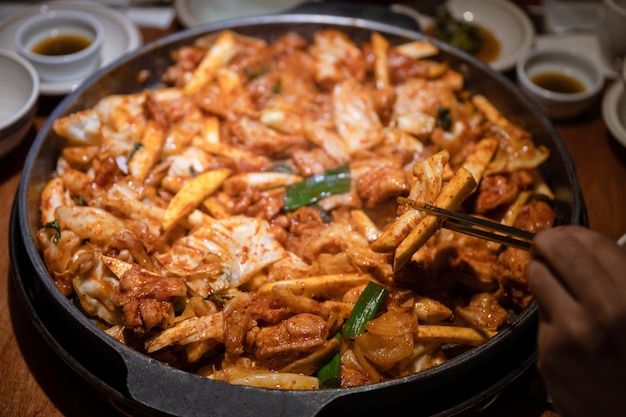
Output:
x=475 y=226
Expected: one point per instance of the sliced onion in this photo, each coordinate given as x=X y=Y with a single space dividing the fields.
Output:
x=395 y=322
x=385 y=351
x=373 y=375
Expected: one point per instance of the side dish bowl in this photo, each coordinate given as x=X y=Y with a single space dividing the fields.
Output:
x=464 y=383
x=564 y=82
x=18 y=104
x=63 y=45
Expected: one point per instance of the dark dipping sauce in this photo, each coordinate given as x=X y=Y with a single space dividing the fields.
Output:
x=558 y=82
x=63 y=44
x=490 y=47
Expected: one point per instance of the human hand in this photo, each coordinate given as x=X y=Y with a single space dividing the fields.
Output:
x=578 y=279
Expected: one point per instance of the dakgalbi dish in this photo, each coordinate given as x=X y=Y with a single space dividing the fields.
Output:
x=241 y=220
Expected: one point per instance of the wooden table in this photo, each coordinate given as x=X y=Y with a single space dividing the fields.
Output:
x=36 y=382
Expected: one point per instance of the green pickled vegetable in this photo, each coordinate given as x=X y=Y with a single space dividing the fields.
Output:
x=364 y=310
x=54 y=224
x=458 y=33
x=334 y=181
x=444 y=118
x=328 y=375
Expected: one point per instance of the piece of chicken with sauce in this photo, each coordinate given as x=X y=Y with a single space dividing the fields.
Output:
x=280 y=344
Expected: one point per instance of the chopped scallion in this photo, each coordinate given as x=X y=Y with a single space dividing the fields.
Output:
x=136 y=147
x=54 y=224
x=444 y=118
x=333 y=181
x=364 y=310
x=328 y=375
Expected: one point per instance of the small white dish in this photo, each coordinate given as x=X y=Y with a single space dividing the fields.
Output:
x=18 y=102
x=586 y=42
x=62 y=45
x=504 y=19
x=614 y=111
x=121 y=35
x=192 y=13
x=542 y=73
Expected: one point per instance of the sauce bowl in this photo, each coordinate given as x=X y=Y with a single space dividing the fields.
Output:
x=562 y=81
x=18 y=102
x=63 y=45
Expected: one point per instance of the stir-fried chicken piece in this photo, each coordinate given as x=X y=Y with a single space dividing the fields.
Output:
x=499 y=190
x=146 y=298
x=144 y=314
x=476 y=269
x=483 y=312
x=336 y=58
x=281 y=344
x=495 y=191
x=535 y=216
x=237 y=322
x=378 y=179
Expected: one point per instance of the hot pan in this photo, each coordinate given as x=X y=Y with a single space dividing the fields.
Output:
x=145 y=386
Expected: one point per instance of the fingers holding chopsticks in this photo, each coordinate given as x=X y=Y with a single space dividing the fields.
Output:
x=589 y=267
x=578 y=279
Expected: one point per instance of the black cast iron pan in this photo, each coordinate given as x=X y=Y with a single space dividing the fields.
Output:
x=146 y=386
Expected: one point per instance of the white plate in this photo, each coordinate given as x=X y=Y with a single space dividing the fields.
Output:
x=614 y=111
x=196 y=12
x=505 y=20
x=121 y=35
x=580 y=41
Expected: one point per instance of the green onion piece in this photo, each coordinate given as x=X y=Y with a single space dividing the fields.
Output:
x=334 y=181
x=276 y=87
x=364 y=310
x=457 y=32
x=328 y=375
x=221 y=299
x=54 y=224
x=444 y=118
x=137 y=146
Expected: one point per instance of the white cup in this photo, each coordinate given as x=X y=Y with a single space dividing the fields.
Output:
x=612 y=32
x=54 y=24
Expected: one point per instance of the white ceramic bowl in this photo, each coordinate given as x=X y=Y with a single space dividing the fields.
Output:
x=18 y=102
x=564 y=62
x=505 y=20
x=508 y=24
x=614 y=110
x=192 y=13
x=56 y=25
